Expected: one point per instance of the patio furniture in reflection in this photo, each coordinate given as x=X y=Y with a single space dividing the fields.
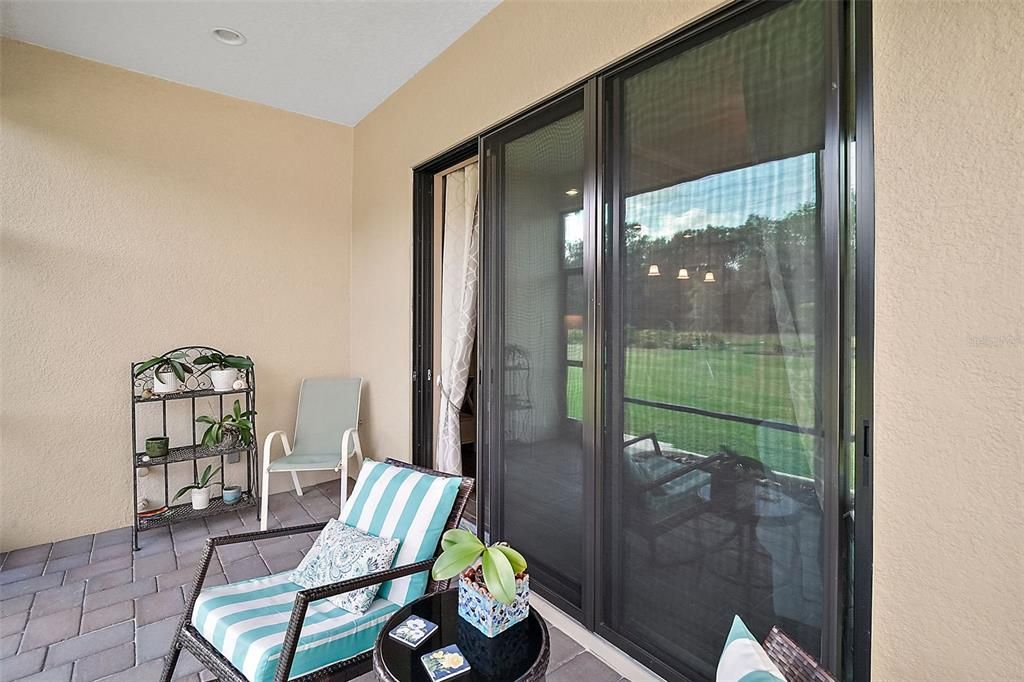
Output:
x=722 y=498
x=517 y=402
x=661 y=489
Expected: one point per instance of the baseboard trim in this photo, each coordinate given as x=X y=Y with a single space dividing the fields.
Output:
x=610 y=654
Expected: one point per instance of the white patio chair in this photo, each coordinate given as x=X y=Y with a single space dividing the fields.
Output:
x=326 y=435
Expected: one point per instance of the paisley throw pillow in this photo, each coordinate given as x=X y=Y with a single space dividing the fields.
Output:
x=341 y=553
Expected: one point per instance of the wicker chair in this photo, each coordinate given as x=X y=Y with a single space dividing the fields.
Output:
x=188 y=637
x=795 y=663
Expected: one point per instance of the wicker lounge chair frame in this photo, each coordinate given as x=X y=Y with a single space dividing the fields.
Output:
x=187 y=637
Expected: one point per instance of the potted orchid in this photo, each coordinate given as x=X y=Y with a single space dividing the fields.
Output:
x=227 y=433
x=169 y=371
x=494 y=587
x=223 y=369
x=200 y=489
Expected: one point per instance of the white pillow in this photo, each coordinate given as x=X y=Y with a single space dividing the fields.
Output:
x=745 y=659
x=341 y=553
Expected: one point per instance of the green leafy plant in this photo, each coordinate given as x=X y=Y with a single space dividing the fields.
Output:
x=205 y=481
x=168 y=362
x=217 y=360
x=501 y=564
x=235 y=421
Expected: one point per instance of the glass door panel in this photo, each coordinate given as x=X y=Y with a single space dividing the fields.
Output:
x=713 y=464
x=536 y=314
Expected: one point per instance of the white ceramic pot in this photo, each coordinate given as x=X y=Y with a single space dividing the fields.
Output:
x=200 y=498
x=223 y=379
x=165 y=382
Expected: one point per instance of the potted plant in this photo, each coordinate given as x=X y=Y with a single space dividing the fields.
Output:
x=494 y=587
x=157 y=446
x=223 y=369
x=227 y=432
x=200 y=489
x=231 y=494
x=169 y=371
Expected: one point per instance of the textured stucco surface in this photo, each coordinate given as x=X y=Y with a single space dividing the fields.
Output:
x=949 y=337
x=138 y=216
x=950 y=280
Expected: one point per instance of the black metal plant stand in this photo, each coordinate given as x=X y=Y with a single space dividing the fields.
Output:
x=196 y=385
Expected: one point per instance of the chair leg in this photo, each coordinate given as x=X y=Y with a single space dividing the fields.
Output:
x=265 y=502
x=171 y=661
x=295 y=480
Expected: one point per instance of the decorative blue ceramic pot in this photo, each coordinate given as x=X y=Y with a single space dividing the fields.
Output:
x=487 y=614
x=232 y=494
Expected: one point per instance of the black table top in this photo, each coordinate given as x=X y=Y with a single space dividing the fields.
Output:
x=519 y=653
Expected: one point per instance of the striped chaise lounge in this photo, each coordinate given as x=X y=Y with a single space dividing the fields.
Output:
x=272 y=629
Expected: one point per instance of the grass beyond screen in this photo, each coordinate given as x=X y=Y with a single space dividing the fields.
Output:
x=730 y=380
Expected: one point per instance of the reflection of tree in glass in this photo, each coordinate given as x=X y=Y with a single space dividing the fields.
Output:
x=757 y=266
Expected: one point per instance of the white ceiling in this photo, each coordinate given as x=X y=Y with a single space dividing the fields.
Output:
x=332 y=59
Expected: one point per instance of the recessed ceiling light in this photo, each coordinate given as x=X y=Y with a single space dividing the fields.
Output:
x=572 y=192
x=228 y=36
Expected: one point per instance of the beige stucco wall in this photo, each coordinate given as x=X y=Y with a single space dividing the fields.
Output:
x=140 y=215
x=949 y=335
x=950 y=330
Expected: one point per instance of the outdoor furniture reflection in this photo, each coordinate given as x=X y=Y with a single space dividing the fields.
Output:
x=673 y=489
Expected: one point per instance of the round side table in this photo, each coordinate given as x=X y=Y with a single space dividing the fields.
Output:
x=519 y=653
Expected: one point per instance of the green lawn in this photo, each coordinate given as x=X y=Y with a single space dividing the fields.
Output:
x=731 y=380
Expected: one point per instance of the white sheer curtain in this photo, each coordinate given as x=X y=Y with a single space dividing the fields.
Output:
x=459 y=266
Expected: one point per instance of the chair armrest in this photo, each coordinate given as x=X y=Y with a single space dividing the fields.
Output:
x=346 y=445
x=304 y=597
x=653 y=437
x=316 y=593
x=268 y=443
x=263 y=534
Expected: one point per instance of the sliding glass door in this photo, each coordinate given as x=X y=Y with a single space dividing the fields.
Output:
x=534 y=244
x=666 y=352
x=715 y=459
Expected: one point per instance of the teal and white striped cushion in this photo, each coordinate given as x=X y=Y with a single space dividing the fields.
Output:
x=393 y=502
x=247 y=620
x=744 y=659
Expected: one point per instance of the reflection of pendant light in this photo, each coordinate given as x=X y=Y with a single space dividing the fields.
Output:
x=683 y=274
x=709 y=276
x=654 y=271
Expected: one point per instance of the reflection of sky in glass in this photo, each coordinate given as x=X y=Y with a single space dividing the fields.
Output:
x=573 y=224
x=771 y=189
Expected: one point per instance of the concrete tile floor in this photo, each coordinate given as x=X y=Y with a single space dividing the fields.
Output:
x=89 y=608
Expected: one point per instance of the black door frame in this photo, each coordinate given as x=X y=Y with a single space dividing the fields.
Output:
x=491 y=337
x=593 y=86
x=423 y=297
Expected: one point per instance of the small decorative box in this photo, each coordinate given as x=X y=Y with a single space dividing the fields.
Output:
x=412 y=631
x=445 y=663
